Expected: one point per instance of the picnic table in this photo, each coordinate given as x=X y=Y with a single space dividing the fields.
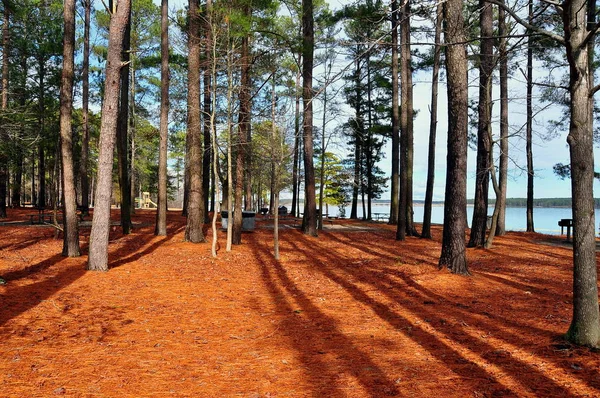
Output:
x=381 y=216
x=43 y=216
x=566 y=222
x=40 y=217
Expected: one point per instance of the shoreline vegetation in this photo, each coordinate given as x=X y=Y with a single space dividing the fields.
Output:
x=510 y=202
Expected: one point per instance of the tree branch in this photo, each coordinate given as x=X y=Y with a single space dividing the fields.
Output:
x=522 y=22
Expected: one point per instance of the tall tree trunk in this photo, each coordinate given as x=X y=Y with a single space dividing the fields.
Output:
x=42 y=130
x=161 y=211
x=395 y=191
x=295 y=167
x=242 y=134
x=122 y=135
x=482 y=177
x=17 y=178
x=211 y=45
x=195 y=213
x=358 y=132
x=368 y=148
x=71 y=227
x=186 y=175
x=230 y=145
x=206 y=117
x=309 y=222
x=403 y=220
x=98 y=254
x=323 y=147
x=3 y=134
x=529 y=127
x=503 y=169
x=405 y=40
x=34 y=199
x=585 y=326
x=85 y=139
x=207 y=156
x=453 y=253
x=426 y=232
x=276 y=159
x=132 y=148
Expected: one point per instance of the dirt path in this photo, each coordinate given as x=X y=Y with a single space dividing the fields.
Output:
x=352 y=313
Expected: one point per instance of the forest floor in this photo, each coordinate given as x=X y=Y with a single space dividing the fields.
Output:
x=352 y=313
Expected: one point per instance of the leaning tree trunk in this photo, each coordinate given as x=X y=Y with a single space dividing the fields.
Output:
x=98 y=254
x=426 y=232
x=70 y=226
x=585 y=326
x=195 y=213
x=309 y=223
x=161 y=211
x=122 y=135
x=453 y=253
x=482 y=176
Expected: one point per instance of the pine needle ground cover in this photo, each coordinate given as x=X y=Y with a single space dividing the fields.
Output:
x=352 y=313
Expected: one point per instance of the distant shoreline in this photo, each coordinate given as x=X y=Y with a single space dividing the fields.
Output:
x=542 y=203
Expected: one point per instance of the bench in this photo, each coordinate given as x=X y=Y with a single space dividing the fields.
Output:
x=568 y=223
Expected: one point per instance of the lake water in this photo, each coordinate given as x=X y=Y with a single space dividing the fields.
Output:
x=545 y=219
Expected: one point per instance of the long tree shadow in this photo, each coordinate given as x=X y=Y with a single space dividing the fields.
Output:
x=19 y=299
x=128 y=254
x=525 y=374
x=20 y=245
x=311 y=345
x=546 y=285
x=35 y=268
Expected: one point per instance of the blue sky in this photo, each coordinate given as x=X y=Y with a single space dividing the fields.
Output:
x=546 y=152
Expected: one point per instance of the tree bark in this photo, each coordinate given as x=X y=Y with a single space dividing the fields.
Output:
x=98 y=254
x=161 y=211
x=426 y=232
x=122 y=135
x=453 y=253
x=42 y=126
x=403 y=220
x=585 y=326
x=503 y=167
x=207 y=153
x=529 y=127
x=295 y=168
x=85 y=139
x=484 y=125
x=309 y=222
x=395 y=178
x=242 y=135
x=195 y=213
x=405 y=40
x=70 y=224
x=3 y=134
